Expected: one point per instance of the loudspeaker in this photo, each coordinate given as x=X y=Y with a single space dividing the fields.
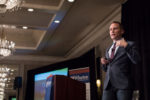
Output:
x=18 y=82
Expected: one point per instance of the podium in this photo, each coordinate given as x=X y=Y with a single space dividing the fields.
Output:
x=65 y=88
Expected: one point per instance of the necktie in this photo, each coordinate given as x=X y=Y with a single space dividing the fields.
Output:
x=113 y=51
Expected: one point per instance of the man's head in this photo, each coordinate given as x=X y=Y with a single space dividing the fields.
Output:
x=116 y=30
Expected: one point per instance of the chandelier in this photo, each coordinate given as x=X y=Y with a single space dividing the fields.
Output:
x=6 y=47
x=4 y=74
x=10 y=5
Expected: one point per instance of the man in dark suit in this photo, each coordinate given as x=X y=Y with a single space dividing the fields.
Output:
x=117 y=63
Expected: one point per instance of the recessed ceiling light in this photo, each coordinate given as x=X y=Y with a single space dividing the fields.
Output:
x=30 y=10
x=25 y=27
x=57 y=21
x=71 y=0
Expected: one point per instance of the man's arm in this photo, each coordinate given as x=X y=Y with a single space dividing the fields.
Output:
x=132 y=53
x=131 y=50
x=104 y=63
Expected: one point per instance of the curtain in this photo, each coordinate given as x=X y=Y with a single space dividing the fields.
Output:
x=136 y=21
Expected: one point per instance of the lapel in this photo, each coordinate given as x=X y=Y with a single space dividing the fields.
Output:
x=107 y=54
x=118 y=54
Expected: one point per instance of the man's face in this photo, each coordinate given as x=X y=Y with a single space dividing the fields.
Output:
x=115 y=31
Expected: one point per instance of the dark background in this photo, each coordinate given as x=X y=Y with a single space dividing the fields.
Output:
x=136 y=21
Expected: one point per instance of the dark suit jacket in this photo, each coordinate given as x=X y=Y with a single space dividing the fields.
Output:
x=118 y=71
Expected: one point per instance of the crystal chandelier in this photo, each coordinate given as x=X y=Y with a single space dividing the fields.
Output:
x=6 y=47
x=4 y=73
x=10 y=5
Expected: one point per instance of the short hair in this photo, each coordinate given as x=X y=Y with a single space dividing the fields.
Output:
x=119 y=23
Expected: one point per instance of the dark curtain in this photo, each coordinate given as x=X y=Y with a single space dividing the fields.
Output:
x=136 y=21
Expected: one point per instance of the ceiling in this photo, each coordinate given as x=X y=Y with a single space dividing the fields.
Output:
x=45 y=40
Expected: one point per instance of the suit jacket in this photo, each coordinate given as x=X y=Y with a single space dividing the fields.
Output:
x=118 y=71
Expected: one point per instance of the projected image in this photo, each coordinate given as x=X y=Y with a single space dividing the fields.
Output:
x=13 y=99
x=43 y=84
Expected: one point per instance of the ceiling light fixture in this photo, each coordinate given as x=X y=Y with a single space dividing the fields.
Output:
x=25 y=27
x=70 y=0
x=10 y=5
x=57 y=21
x=30 y=10
x=6 y=47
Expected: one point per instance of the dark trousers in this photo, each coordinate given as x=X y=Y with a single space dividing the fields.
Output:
x=112 y=93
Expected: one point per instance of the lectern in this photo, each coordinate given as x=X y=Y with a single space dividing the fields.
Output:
x=65 y=88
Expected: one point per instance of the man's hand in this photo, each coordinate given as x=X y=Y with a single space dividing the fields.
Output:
x=104 y=61
x=122 y=43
